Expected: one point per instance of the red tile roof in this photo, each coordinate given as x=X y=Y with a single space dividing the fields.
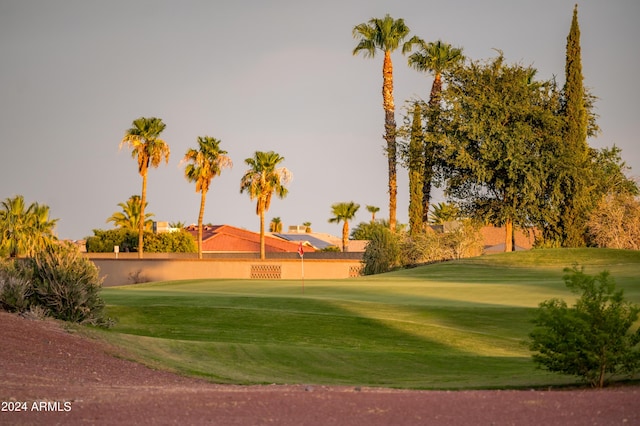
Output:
x=226 y=238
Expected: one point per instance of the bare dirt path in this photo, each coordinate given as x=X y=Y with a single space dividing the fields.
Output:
x=55 y=377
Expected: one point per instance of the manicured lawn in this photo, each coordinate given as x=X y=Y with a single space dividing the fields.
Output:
x=461 y=324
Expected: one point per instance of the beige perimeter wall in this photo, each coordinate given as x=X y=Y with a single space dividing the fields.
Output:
x=130 y=271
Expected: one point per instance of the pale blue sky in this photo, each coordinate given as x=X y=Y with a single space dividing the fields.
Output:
x=271 y=75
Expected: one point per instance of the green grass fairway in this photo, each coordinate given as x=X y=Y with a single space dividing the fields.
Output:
x=453 y=325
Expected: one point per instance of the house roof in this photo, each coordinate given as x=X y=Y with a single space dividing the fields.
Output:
x=321 y=241
x=312 y=241
x=226 y=238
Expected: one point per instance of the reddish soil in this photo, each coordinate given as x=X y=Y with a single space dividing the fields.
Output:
x=75 y=380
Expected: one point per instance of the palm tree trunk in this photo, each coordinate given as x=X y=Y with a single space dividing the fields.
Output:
x=390 y=135
x=143 y=201
x=262 y=250
x=203 y=199
x=345 y=235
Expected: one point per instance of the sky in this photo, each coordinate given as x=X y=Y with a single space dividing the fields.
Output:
x=272 y=75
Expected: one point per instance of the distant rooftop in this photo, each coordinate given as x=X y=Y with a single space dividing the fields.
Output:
x=315 y=242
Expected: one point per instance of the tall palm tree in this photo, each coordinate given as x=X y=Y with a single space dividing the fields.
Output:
x=344 y=212
x=275 y=225
x=261 y=181
x=25 y=229
x=205 y=163
x=373 y=210
x=435 y=58
x=129 y=217
x=386 y=34
x=147 y=147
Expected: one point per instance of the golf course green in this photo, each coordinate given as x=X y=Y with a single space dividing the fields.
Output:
x=456 y=325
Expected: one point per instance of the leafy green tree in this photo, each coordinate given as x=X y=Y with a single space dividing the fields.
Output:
x=386 y=35
x=502 y=133
x=204 y=164
x=103 y=241
x=149 y=150
x=344 y=212
x=593 y=339
x=261 y=181
x=575 y=174
x=24 y=229
x=170 y=242
x=434 y=58
x=416 y=172
x=610 y=174
x=129 y=217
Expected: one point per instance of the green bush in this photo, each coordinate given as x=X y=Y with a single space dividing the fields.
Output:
x=593 y=339
x=170 y=242
x=429 y=247
x=68 y=285
x=382 y=253
x=15 y=290
x=103 y=241
x=57 y=281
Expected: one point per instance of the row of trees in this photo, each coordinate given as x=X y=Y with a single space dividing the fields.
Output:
x=263 y=178
x=511 y=150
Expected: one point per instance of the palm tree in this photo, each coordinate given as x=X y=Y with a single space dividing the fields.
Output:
x=24 y=230
x=386 y=35
x=373 y=210
x=147 y=147
x=275 y=225
x=42 y=234
x=435 y=58
x=344 y=212
x=261 y=181
x=444 y=212
x=205 y=163
x=307 y=226
x=129 y=217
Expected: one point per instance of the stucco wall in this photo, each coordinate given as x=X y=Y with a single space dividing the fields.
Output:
x=128 y=271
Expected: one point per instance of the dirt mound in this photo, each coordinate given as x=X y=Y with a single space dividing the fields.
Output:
x=48 y=375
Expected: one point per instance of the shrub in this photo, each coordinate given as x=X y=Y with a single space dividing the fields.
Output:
x=615 y=222
x=68 y=285
x=103 y=241
x=170 y=242
x=382 y=253
x=429 y=247
x=593 y=338
x=15 y=291
x=332 y=249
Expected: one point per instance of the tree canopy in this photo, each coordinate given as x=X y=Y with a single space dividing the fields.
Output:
x=501 y=133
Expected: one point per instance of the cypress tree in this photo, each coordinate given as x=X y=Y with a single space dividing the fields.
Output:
x=575 y=179
x=416 y=172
